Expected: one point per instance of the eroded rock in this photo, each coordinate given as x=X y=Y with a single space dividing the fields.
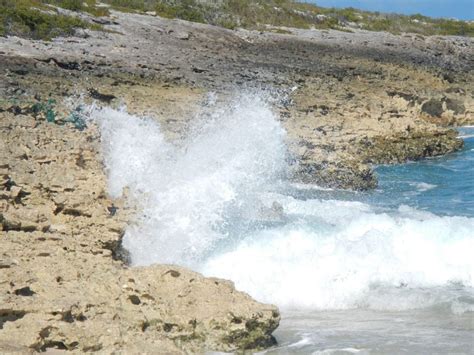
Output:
x=345 y=176
x=65 y=284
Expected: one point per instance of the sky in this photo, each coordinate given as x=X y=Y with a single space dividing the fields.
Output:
x=460 y=9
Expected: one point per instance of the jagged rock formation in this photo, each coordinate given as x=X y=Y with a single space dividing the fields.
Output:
x=64 y=281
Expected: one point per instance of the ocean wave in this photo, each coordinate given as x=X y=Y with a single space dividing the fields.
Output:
x=340 y=255
x=216 y=203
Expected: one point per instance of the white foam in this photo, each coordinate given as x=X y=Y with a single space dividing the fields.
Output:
x=423 y=186
x=302 y=186
x=198 y=200
x=301 y=343
x=338 y=255
x=185 y=192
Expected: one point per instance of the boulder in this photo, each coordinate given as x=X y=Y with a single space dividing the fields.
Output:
x=455 y=105
x=433 y=107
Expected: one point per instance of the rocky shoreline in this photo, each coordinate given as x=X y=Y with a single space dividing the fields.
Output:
x=65 y=280
x=351 y=91
x=347 y=101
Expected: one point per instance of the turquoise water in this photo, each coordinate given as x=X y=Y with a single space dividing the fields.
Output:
x=444 y=186
x=460 y=9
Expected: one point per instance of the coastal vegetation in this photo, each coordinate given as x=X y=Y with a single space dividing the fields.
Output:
x=41 y=19
x=36 y=19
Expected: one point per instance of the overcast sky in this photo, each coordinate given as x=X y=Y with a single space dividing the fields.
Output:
x=461 y=9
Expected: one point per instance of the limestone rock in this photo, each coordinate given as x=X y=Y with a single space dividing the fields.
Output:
x=412 y=146
x=65 y=285
x=353 y=177
x=184 y=36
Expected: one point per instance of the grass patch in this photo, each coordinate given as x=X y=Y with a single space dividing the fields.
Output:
x=34 y=19
x=186 y=9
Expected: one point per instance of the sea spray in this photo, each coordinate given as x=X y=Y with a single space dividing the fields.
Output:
x=189 y=192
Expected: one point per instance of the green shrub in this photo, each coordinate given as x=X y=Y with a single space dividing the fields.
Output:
x=454 y=28
x=349 y=14
x=73 y=5
x=32 y=19
x=185 y=9
x=139 y=5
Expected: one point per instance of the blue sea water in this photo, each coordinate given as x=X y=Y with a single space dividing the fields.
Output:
x=444 y=185
x=460 y=9
x=440 y=185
